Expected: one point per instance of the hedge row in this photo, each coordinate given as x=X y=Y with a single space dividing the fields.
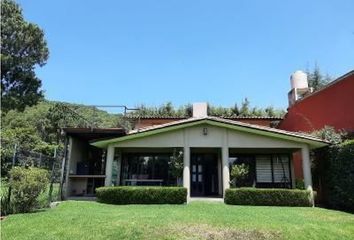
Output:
x=339 y=177
x=268 y=197
x=141 y=195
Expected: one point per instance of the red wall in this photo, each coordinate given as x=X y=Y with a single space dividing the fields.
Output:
x=333 y=106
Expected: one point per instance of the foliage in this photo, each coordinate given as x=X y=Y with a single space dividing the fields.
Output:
x=26 y=185
x=316 y=79
x=340 y=176
x=176 y=164
x=238 y=172
x=168 y=110
x=329 y=134
x=299 y=184
x=141 y=195
x=23 y=47
x=6 y=205
x=268 y=197
x=38 y=128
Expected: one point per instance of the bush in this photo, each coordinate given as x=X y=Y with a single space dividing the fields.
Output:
x=268 y=197
x=26 y=185
x=238 y=173
x=340 y=177
x=141 y=195
x=6 y=206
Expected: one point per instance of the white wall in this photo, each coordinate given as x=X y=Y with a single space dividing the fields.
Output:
x=193 y=137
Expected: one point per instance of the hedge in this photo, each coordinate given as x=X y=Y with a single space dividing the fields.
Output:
x=141 y=195
x=268 y=197
x=339 y=177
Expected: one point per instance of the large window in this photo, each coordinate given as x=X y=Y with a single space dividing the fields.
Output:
x=150 y=169
x=265 y=170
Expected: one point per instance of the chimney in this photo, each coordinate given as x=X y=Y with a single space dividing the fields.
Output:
x=200 y=110
x=299 y=87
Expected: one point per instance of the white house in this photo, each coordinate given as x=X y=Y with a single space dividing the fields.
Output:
x=206 y=146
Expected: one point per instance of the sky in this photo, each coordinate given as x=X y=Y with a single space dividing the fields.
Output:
x=113 y=52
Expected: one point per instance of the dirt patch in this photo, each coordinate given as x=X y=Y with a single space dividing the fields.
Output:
x=204 y=231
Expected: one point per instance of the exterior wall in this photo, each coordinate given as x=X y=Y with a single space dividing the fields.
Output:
x=193 y=137
x=332 y=106
x=77 y=152
x=217 y=137
x=297 y=162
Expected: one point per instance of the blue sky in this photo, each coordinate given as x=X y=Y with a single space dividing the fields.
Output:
x=133 y=52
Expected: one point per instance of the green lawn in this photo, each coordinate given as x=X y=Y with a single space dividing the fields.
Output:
x=197 y=220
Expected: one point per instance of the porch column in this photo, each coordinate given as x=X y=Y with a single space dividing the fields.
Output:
x=225 y=168
x=109 y=161
x=186 y=170
x=306 y=168
x=119 y=167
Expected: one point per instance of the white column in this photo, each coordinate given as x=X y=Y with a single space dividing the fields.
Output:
x=306 y=168
x=119 y=167
x=109 y=161
x=67 y=186
x=186 y=170
x=225 y=168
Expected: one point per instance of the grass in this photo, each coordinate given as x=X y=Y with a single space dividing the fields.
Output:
x=197 y=220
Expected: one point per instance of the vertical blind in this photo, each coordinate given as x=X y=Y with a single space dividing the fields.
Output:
x=272 y=168
x=264 y=169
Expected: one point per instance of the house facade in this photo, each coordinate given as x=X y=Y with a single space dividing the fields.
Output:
x=310 y=111
x=197 y=153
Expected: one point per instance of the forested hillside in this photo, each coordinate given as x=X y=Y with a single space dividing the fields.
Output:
x=38 y=128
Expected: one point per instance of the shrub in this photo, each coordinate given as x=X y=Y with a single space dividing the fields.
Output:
x=299 y=184
x=268 y=197
x=238 y=172
x=5 y=203
x=141 y=195
x=26 y=185
x=340 y=177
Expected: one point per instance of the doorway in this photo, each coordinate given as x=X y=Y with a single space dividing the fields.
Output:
x=204 y=174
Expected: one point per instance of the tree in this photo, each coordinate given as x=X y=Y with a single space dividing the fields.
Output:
x=23 y=47
x=245 y=108
x=316 y=79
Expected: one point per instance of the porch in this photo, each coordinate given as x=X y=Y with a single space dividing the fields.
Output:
x=204 y=171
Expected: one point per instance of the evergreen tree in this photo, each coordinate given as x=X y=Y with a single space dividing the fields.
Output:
x=23 y=47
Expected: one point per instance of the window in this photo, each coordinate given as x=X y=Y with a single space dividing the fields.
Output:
x=273 y=168
x=264 y=169
x=152 y=169
x=249 y=161
x=281 y=169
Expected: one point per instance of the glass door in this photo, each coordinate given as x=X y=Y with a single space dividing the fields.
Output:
x=197 y=175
